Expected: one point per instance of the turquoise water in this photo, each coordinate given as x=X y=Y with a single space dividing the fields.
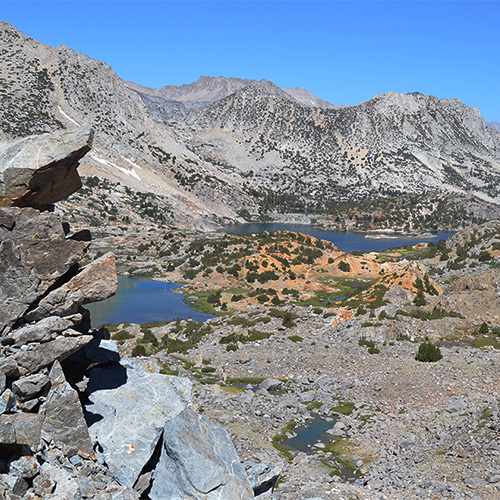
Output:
x=310 y=433
x=142 y=300
x=347 y=242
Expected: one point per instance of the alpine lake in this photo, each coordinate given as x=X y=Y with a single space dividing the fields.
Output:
x=141 y=300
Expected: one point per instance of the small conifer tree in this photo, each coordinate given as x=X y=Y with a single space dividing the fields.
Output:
x=428 y=353
x=484 y=328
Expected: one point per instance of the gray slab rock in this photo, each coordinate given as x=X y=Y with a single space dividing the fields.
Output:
x=20 y=428
x=42 y=331
x=43 y=355
x=3 y=381
x=97 y=281
x=39 y=170
x=198 y=460
x=64 y=420
x=128 y=410
x=29 y=387
x=15 y=484
x=25 y=271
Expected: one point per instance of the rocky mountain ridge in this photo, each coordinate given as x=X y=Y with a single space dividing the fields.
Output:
x=257 y=149
x=209 y=89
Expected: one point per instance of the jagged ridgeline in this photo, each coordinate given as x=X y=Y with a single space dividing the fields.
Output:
x=222 y=147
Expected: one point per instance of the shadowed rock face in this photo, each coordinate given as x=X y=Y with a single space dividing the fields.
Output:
x=34 y=255
x=39 y=170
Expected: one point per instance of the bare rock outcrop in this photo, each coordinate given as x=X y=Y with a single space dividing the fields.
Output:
x=42 y=169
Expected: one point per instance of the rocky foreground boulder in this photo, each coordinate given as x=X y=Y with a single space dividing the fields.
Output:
x=39 y=170
x=76 y=422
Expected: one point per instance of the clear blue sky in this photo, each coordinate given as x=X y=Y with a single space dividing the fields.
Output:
x=344 y=52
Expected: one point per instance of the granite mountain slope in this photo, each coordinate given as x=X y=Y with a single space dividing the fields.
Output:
x=390 y=145
x=44 y=89
x=220 y=146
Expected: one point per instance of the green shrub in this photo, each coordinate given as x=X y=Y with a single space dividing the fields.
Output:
x=122 y=335
x=419 y=299
x=148 y=338
x=428 y=353
x=208 y=369
x=484 y=328
x=138 y=350
x=344 y=266
x=231 y=347
x=295 y=338
x=484 y=256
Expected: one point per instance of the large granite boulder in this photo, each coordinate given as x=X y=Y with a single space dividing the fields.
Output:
x=34 y=255
x=128 y=410
x=39 y=170
x=198 y=460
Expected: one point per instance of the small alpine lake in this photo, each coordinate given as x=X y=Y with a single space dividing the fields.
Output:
x=142 y=300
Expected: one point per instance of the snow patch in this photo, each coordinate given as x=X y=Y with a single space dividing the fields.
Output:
x=107 y=163
x=68 y=117
x=132 y=163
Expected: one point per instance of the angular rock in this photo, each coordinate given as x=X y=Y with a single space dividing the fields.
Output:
x=45 y=354
x=3 y=381
x=263 y=478
x=9 y=367
x=43 y=330
x=129 y=409
x=198 y=460
x=64 y=420
x=7 y=401
x=16 y=485
x=271 y=384
x=20 y=428
x=25 y=271
x=43 y=485
x=66 y=486
x=39 y=170
x=97 y=281
x=30 y=387
x=26 y=467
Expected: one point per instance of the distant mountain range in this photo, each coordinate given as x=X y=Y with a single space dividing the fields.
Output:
x=493 y=125
x=220 y=146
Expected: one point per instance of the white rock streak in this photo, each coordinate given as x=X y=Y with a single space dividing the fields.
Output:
x=68 y=117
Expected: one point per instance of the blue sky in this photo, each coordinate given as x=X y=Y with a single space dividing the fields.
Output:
x=344 y=52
